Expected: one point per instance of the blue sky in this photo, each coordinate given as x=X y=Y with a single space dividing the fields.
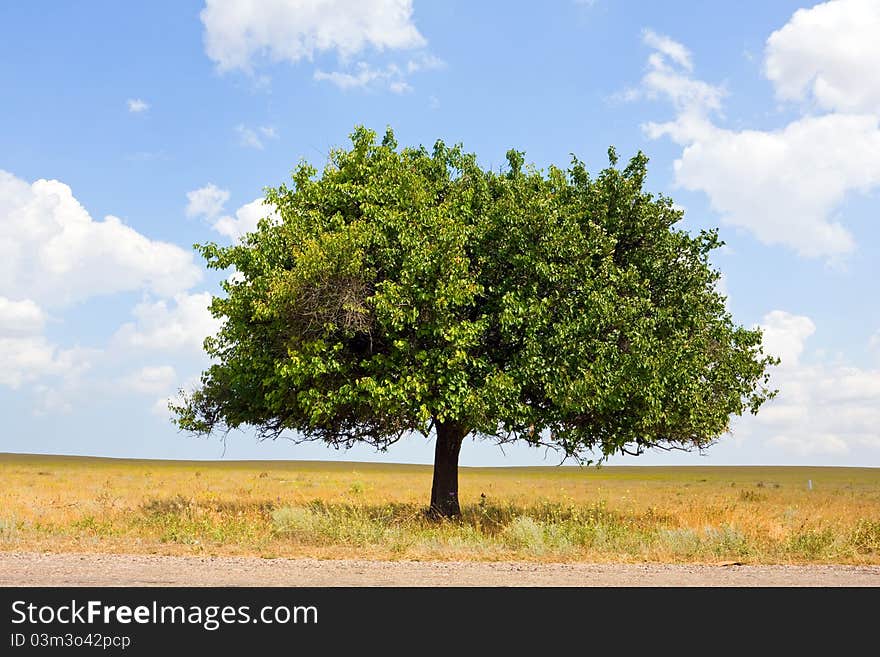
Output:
x=131 y=131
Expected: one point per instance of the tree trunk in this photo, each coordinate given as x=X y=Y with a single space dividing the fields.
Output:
x=444 y=491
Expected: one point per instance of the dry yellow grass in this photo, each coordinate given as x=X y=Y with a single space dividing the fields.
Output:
x=327 y=510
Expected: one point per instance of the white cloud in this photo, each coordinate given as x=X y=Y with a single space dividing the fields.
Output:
x=363 y=76
x=235 y=278
x=823 y=407
x=53 y=252
x=694 y=98
x=391 y=77
x=784 y=185
x=207 y=201
x=255 y=137
x=672 y=49
x=25 y=359
x=785 y=335
x=28 y=359
x=829 y=54
x=424 y=62
x=52 y=401
x=151 y=380
x=136 y=105
x=245 y=220
x=19 y=318
x=160 y=326
x=811 y=444
x=240 y=32
x=667 y=78
x=160 y=406
x=400 y=87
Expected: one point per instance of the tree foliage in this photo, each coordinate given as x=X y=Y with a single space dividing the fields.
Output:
x=406 y=288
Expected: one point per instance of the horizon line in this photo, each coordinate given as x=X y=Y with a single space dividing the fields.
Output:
x=427 y=465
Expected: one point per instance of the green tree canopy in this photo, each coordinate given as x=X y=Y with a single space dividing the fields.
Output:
x=411 y=291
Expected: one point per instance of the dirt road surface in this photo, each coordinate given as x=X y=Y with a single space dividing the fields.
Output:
x=38 y=569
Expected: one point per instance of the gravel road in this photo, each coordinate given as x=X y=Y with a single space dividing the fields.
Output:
x=39 y=569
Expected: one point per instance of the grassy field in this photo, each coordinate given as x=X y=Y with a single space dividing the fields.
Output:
x=330 y=510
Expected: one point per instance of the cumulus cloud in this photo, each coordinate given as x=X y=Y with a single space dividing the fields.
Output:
x=53 y=252
x=245 y=219
x=136 y=105
x=19 y=318
x=823 y=407
x=783 y=186
x=151 y=380
x=25 y=359
x=785 y=335
x=830 y=55
x=162 y=326
x=207 y=201
x=239 y=32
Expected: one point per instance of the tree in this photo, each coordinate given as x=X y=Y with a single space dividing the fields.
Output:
x=405 y=291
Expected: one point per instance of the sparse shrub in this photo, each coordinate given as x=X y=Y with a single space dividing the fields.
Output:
x=562 y=538
x=297 y=522
x=338 y=524
x=8 y=530
x=92 y=526
x=189 y=521
x=682 y=541
x=613 y=537
x=725 y=541
x=811 y=543
x=524 y=533
x=865 y=537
